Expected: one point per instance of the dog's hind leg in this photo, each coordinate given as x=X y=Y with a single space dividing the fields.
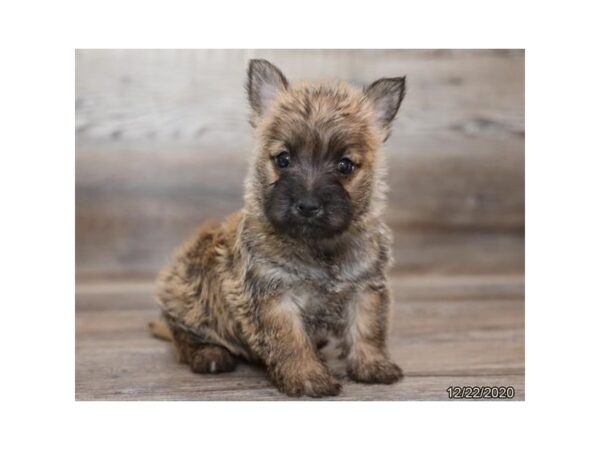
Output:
x=202 y=357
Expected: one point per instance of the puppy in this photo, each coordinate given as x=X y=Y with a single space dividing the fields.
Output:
x=306 y=257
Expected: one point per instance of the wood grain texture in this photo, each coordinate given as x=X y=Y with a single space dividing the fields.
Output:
x=162 y=141
x=446 y=331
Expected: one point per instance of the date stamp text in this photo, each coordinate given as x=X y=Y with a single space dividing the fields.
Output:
x=481 y=392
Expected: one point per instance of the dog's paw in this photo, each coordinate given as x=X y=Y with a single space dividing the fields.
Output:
x=378 y=371
x=212 y=359
x=315 y=383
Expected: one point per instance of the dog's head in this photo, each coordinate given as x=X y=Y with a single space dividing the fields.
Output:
x=316 y=166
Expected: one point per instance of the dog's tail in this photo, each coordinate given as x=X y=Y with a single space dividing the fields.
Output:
x=160 y=329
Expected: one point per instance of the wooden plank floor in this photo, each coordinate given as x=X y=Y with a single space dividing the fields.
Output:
x=446 y=331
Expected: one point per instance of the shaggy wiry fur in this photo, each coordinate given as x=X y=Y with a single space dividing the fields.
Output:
x=305 y=259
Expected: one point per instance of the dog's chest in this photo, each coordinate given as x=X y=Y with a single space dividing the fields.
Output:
x=324 y=291
x=332 y=274
x=321 y=309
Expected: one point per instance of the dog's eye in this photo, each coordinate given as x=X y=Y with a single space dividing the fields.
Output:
x=282 y=160
x=345 y=166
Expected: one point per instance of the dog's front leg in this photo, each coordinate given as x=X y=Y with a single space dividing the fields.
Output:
x=366 y=335
x=291 y=359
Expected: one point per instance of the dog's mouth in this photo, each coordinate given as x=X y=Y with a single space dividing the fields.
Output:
x=311 y=231
x=318 y=226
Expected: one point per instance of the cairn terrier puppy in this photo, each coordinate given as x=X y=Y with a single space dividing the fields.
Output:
x=306 y=257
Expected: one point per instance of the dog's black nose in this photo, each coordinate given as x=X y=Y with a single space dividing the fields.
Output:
x=308 y=206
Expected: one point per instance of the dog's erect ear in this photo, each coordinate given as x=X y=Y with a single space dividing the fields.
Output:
x=386 y=95
x=264 y=82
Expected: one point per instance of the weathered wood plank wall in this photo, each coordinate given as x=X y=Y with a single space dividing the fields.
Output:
x=162 y=140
